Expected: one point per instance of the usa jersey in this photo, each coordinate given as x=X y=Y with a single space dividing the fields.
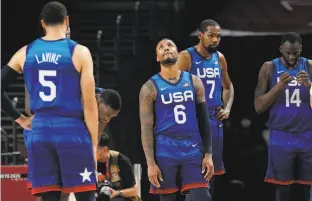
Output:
x=175 y=112
x=51 y=78
x=291 y=110
x=210 y=72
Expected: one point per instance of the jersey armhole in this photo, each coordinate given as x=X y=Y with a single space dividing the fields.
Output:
x=71 y=45
x=156 y=87
x=192 y=84
x=190 y=50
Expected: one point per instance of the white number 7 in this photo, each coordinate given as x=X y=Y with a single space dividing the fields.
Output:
x=213 y=83
x=45 y=83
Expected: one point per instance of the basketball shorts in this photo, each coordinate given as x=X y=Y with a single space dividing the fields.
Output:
x=62 y=155
x=290 y=158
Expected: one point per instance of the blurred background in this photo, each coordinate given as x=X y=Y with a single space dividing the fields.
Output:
x=122 y=35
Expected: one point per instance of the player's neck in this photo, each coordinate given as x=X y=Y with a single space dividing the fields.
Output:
x=202 y=51
x=54 y=33
x=291 y=67
x=170 y=73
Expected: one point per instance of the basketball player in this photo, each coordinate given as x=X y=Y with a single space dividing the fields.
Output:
x=179 y=101
x=58 y=73
x=210 y=65
x=109 y=105
x=283 y=86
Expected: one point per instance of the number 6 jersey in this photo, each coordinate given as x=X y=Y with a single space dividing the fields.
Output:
x=291 y=110
x=52 y=81
x=175 y=107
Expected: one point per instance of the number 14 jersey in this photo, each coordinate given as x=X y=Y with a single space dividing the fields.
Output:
x=52 y=81
x=291 y=110
x=175 y=107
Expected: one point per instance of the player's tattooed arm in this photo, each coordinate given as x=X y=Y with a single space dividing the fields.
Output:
x=200 y=89
x=147 y=97
x=184 y=60
x=228 y=89
x=264 y=98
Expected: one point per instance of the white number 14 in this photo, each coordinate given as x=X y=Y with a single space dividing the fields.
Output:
x=294 y=98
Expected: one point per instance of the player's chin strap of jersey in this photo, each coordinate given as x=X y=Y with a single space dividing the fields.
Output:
x=204 y=126
x=7 y=76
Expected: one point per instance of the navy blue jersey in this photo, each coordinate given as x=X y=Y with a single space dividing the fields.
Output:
x=210 y=72
x=175 y=107
x=291 y=110
x=51 y=78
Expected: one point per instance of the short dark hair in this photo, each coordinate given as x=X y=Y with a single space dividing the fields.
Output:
x=104 y=140
x=291 y=37
x=53 y=13
x=111 y=98
x=204 y=24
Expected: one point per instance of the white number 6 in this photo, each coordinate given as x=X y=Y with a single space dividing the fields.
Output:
x=179 y=114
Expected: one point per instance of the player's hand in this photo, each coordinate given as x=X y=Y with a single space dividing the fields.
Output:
x=285 y=78
x=222 y=113
x=113 y=193
x=25 y=122
x=154 y=174
x=207 y=166
x=303 y=78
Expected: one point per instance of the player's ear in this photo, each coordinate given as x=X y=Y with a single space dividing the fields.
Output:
x=199 y=35
x=43 y=25
x=66 y=21
x=281 y=49
x=105 y=149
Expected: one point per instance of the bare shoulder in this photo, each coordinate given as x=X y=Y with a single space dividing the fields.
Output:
x=184 y=60
x=81 y=50
x=267 y=68
x=185 y=54
x=18 y=59
x=148 y=91
x=221 y=56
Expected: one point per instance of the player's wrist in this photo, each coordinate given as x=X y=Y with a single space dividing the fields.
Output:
x=208 y=155
x=21 y=119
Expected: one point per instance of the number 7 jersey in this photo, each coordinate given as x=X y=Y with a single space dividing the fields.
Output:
x=291 y=110
x=175 y=107
x=52 y=81
x=210 y=72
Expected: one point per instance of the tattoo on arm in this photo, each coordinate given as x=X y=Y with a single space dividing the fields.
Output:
x=147 y=97
x=199 y=88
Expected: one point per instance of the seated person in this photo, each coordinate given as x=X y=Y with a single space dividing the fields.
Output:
x=116 y=171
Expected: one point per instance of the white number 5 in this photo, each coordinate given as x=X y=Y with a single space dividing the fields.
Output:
x=45 y=83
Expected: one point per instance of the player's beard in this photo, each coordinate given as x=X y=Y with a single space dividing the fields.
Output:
x=288 y=63
x=211 y=49
x=169 y=62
